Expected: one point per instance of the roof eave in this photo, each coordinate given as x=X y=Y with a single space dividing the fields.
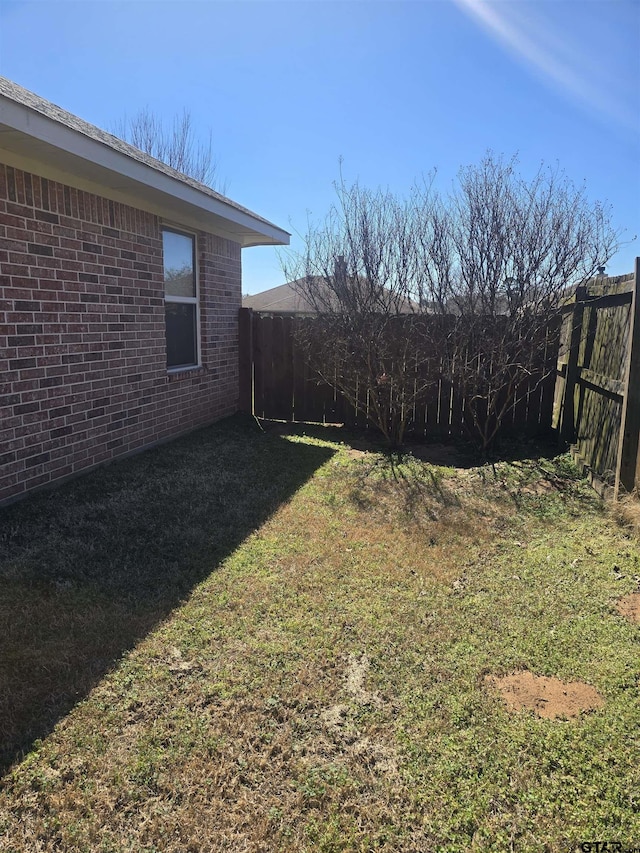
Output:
x=31 y=139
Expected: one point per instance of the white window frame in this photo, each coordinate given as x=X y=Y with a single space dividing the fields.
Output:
x=186 y=300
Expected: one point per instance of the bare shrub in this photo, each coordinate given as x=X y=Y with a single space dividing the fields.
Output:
x=464 y=287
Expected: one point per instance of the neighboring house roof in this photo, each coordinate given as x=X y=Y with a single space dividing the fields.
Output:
x=289 y=299
x=285 y=299
x=36 y=135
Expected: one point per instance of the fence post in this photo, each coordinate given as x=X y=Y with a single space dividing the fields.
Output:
x=568 y=423
x=630 y=420
x=245 y=360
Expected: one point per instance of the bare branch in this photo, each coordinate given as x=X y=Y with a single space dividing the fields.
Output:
x=176 y=146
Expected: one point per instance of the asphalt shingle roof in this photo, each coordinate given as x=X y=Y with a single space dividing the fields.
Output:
x=288 y=298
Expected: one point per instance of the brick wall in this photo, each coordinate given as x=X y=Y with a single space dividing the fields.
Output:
x=83 y=375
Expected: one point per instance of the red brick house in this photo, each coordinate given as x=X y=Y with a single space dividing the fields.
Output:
x=120 y=284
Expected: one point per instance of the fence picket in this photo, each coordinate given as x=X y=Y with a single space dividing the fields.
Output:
x=284 y=387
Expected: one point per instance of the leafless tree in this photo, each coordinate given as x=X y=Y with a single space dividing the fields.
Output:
x=356 y=274
x=175 y=145
x=500 y=253
x=463 y=288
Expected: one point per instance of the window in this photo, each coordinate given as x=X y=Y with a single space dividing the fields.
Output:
x=180 y=298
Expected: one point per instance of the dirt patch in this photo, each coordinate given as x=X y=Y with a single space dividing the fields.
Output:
x=354 y=453
x=546 y=697
x=629 y=607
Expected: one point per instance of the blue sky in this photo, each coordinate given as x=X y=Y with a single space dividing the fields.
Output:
x=394 y=88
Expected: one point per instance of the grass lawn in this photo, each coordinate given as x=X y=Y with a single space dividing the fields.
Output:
x=252 y=641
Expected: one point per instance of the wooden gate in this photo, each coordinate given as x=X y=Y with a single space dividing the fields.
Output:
x=597 y=406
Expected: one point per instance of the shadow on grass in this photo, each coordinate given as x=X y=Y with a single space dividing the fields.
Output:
x=536 y=469
x=89 y=569
x=456 y=453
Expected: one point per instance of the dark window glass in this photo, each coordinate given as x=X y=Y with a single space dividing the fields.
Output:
x=180 y=321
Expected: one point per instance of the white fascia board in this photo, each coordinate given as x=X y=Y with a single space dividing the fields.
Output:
x=116 y=172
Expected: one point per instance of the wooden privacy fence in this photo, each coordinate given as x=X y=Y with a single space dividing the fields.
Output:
x=597 y=407
x=277 y=383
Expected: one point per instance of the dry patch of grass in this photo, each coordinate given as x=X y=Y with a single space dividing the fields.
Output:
x=291 y=651
x=626 y=511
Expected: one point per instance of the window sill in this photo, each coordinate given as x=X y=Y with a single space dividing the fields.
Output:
x=179 y=373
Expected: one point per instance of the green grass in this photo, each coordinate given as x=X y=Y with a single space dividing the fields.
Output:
x=270 y=641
